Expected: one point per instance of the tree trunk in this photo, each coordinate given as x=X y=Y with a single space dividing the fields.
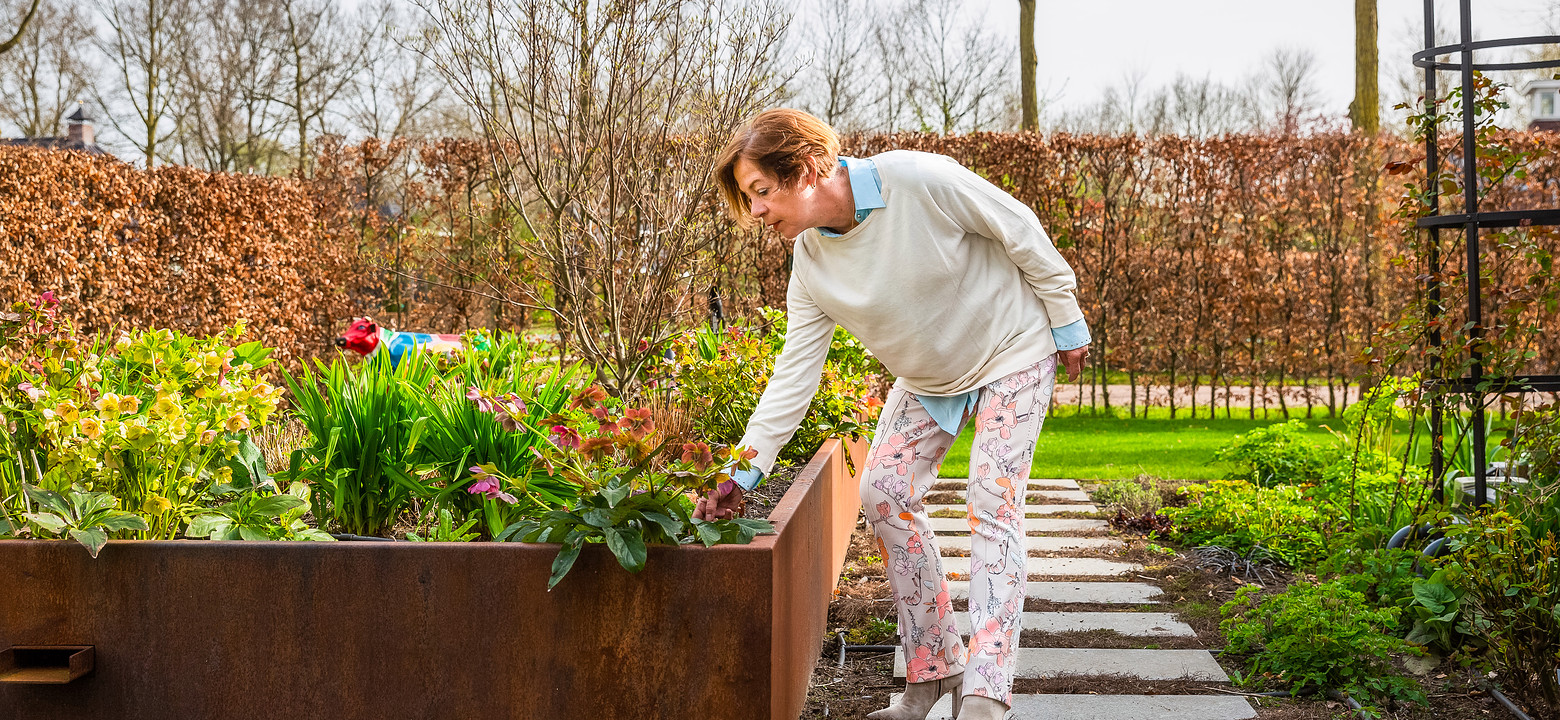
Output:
x=1029 y=65
x=1364 y=112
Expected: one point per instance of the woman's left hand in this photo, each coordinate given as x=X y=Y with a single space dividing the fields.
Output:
x=1073 y=360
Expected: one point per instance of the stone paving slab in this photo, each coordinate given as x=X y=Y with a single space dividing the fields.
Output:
x=1120 y=593
x=1052 y=567
x=1034 y=483
x=1114 y=707
x=1134 y=624
x=1142 y=664
x=1040 y=496
x=1042 y=543
x=942 y=525
x=1029 y=509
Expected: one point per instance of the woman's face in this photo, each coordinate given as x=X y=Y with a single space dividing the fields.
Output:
x=788 y=210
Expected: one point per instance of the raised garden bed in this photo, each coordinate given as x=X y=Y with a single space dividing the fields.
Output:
x=389 y=629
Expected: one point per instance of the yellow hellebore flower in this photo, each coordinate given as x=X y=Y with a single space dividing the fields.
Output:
x=139 y=436
x=211 y=362
x=236 y=423
x=156 y=505
x=108 y=405
x=167 y=406
x=91 y=427
x=208 y=436
x=129 y=404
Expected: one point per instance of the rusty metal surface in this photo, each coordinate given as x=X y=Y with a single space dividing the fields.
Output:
x=806 y=567
x=200 y=629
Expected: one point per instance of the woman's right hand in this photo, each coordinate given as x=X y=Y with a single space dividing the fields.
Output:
x=721 y=504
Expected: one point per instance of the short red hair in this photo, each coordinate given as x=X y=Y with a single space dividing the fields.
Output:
x=782 y=142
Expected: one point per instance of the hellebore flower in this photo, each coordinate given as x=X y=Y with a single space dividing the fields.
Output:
x=566 y=437
x=699 y=454
x=483 y=403
x=638 y=422
x=589 y=397
x=487 y=485
x=33 y=393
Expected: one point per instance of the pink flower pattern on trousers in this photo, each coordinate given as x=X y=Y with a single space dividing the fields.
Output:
x=910 y=445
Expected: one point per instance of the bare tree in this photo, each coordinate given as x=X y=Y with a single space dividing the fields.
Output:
x=398 y=85
x=961 y=70
x=604 y=118
x=142 y=45
x=895 y=79
x=322 y=54
x=45 y=74
x=839 y=73
x=232 y=69
x=21 y=28
x=1288 y=83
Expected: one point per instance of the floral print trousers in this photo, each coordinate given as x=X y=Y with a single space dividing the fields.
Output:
x=902 y=466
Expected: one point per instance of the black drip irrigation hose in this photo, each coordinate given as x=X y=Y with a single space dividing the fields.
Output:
x=1498 y=695
x=359 y=538
x=861 y=648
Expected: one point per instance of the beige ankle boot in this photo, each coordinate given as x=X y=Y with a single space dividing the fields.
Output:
x=920 y=697
x=980 y=707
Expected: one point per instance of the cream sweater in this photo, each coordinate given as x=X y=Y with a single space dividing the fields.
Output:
x=953 y=284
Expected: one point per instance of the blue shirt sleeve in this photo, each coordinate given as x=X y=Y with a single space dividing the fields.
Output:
x=1071 y=337
x=747 y=479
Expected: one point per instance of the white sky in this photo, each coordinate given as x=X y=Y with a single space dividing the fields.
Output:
x=1086 y=46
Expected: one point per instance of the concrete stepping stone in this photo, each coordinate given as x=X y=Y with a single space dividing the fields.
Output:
x=1042 y=543
x=1114 y=707
x=1041 y=496
x=1034 y=483
x=941 y=525
x=1142 y=664
x=1029 y=509
x=1134 y=624
x=1115 y=593
x=1050 y=567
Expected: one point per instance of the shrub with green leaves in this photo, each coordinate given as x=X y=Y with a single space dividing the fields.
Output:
x=1239 y=515
x=88 y=517
x=1511 y=591
x=1278 y=454
x=1317 y=637
x=719 y=376
x=1137 y=496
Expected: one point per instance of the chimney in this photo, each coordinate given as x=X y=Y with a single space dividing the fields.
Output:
x=80 y=130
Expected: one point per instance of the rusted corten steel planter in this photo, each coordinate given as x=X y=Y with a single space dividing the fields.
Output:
x=375 y=630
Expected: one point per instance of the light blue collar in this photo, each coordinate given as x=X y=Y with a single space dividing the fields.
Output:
x=866 y=188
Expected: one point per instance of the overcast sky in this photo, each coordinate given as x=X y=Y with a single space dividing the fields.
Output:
x=1084 y=47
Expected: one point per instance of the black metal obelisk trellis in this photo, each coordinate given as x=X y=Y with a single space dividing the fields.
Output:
x=1476 y=383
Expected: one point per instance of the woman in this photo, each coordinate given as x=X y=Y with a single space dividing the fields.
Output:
x=955 y=287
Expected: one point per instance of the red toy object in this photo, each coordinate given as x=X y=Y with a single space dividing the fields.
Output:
x=365 y=338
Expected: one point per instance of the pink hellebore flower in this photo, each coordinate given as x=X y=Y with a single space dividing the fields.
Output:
x=483 y=403
x=488 y=485
x=566 y=437
x=33 y=393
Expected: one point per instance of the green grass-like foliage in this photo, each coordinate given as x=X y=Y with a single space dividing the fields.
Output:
x=1315 y=637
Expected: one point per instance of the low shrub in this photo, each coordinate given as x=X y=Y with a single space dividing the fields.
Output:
x=718 y=376
x=1511 y=592
x=1278 y=455
x=1318 y=637
x=1137 y=497
x=1241 y=516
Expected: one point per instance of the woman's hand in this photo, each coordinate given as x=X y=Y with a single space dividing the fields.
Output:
x=1073 y=360
x=721 y=504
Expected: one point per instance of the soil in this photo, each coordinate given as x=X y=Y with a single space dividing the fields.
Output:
x=759 y=502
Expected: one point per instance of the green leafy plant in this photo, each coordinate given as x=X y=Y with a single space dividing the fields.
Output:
x=88 y=517
x=366 y=420
x=1277 y=455
x=154 y=419
x=1241 y=516
x=445 y=530
x=1511 y=593
x=1137 y=496
x=875 y=631
x=1316 y=637
x=719 y=375
x=1439 y=622
x=260 y=513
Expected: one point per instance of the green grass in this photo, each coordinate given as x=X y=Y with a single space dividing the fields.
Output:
x=1086 y=447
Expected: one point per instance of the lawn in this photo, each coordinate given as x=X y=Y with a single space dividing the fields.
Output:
x=1086 y=447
